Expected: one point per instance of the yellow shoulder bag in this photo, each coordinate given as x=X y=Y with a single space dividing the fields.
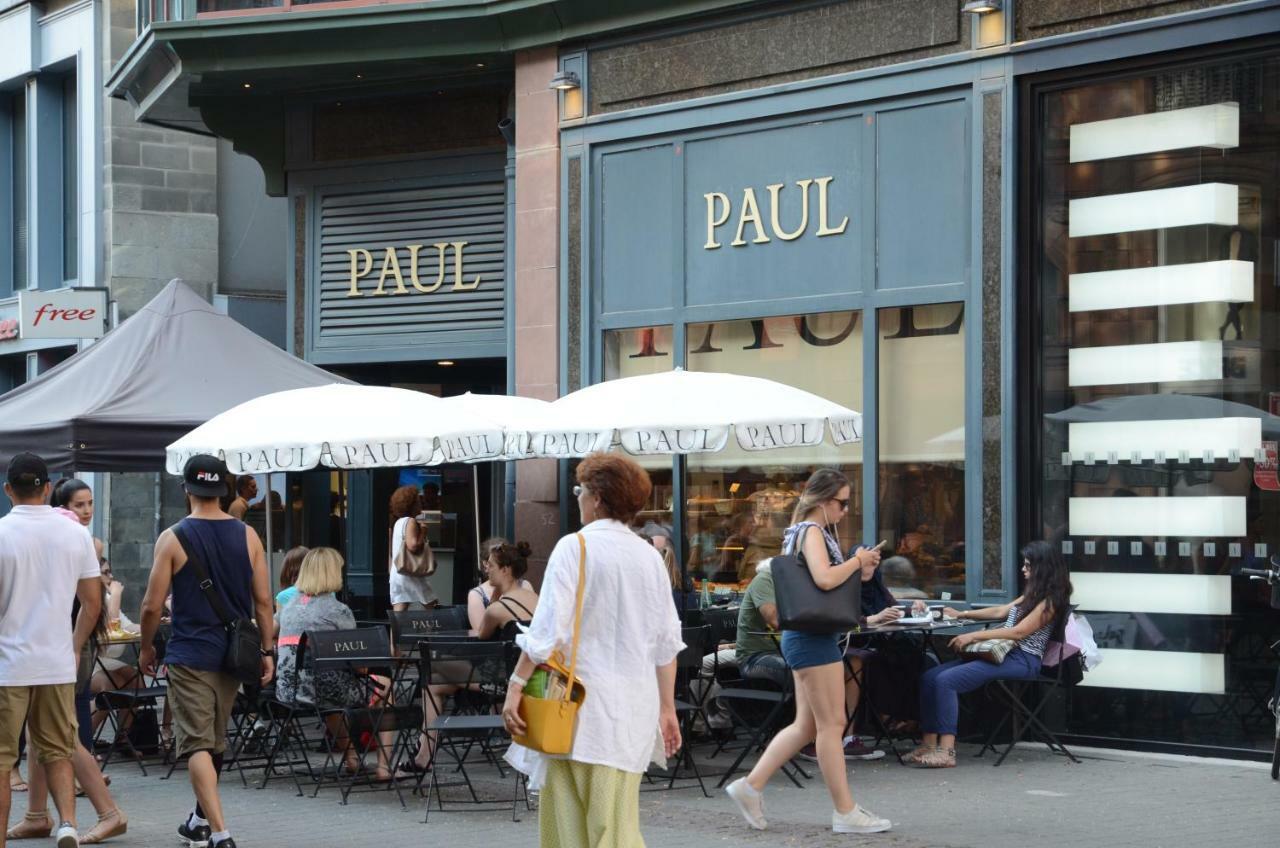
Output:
x=549 y=722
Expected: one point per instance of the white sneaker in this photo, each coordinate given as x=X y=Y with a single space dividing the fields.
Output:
x=859 y=820
x=67 y=837
x=750 y=802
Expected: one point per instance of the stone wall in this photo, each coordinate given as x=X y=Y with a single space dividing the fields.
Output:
x=1042 y=18
x=536 y=307
x=160 y=222
x=776 y=43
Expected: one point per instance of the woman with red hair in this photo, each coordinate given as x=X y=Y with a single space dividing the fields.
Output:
x=629 y=640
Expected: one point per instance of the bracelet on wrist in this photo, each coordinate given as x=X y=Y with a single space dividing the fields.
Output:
x=517 y=680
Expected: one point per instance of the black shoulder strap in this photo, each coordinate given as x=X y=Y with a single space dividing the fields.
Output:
x=504 y=601
x=202 y=575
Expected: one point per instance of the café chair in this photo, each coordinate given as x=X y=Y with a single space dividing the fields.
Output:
x=410 y=626
x=697 y=642
x=480 y=671
x=127 y=708
x=1023 y=701
x=362 y=651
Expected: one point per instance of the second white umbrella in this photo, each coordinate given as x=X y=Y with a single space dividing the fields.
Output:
x=684 y=412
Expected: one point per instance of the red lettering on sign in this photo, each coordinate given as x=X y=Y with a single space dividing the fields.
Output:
x=53 y=313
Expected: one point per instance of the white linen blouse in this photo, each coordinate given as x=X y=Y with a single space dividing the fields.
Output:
x=629 y=628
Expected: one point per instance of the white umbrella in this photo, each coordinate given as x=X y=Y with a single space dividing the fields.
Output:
x=514 y=414
x=683 y=412
x=339 y=426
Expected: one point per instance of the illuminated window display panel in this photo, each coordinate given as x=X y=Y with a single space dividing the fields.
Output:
x=1227 y=281
x=1160 y=671
x=1218 y=436
x=1211 y=517
x=1167 y=362
x=1212 y=203
x=1216 y=126
x=1199 y=594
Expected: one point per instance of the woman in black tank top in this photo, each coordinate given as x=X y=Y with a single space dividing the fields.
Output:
x=512 y=606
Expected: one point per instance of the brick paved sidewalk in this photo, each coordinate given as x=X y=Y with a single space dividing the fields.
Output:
x=1111 y=799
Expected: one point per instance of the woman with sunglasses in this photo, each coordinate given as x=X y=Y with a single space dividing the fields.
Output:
x=1030 y=619
x=816 y=661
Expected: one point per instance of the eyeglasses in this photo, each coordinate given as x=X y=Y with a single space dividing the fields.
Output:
x=844 y=502
x=1026 y=565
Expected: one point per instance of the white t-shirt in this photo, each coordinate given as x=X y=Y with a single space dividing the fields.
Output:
x=43 y=557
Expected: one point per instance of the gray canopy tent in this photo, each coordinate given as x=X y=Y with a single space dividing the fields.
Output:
x=170 y=367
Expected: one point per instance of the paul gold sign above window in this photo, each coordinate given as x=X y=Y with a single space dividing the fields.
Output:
x=720 y=210
x=362 y=266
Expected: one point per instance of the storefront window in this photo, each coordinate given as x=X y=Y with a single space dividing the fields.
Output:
x=630 y=353
x=921 y=445
x=738 y=503
x=1154 y=389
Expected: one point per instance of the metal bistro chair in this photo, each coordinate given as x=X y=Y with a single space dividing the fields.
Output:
x=361 y=651
x=480 y=671
x=697 y=641
x=132 y=701
x=283 y=745
x=411 y=626
x=1023 y=709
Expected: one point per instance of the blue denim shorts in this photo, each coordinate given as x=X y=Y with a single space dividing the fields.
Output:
x=806 y=650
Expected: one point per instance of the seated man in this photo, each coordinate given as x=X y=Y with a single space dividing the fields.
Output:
x=756 y=657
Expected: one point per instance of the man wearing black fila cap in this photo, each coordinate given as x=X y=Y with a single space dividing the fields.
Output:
x=46 y=562
x=200 y=692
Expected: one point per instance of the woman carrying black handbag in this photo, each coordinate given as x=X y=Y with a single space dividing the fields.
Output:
x=815 y=659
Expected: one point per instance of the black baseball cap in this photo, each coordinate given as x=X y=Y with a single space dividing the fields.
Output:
x=205 y=476
x=27 y=469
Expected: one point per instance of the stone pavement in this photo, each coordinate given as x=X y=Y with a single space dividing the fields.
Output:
x=1112 y=799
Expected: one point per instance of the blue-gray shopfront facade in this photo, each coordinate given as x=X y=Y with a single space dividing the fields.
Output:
x=892 y=238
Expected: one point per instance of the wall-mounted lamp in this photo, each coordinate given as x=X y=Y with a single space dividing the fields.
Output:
x=565 y=81
x=507 y=128
x=982 y=7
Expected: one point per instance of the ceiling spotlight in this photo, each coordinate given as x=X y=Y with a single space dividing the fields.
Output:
x=479 y=64
x=445 y=363
x=359 y=76
x=982 y=7
x=248 y=85
x=565 y=81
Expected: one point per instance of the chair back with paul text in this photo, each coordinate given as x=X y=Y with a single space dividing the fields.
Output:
x=411 y=626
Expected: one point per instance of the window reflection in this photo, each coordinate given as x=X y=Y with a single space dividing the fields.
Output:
x=739 y=502
x=921 y=415
x=1153 y=394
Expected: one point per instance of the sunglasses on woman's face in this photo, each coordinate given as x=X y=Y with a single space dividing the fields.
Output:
x=844 y=502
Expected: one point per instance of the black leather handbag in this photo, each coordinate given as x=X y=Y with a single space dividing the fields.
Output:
x=243 y=659
x=804 y=607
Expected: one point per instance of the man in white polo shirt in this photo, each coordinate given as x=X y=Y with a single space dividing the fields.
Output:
x=46 y=562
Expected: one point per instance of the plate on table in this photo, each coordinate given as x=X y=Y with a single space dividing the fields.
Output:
x=926 y=618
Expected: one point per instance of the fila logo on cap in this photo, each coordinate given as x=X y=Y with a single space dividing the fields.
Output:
x=209 y=476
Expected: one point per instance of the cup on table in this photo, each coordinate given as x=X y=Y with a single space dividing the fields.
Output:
x=113 y=624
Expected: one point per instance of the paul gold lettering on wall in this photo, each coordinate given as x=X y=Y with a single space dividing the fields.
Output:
x=362 y=266
x=720 y=210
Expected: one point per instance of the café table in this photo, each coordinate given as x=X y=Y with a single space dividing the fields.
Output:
x=856 y=644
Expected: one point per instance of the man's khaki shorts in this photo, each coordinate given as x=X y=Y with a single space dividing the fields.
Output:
x=201 y=702
x=50 y=714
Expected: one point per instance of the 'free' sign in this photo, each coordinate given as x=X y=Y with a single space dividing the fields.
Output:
x=63 y=314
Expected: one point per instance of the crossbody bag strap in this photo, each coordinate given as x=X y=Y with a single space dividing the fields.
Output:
x=202 y=576
x=577 y=613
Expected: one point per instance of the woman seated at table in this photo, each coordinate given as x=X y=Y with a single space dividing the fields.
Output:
x=112 y=671
x=1029 y=620
x=513 y=605
x=479 y=598
x=895 y=662
x=317 y=609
